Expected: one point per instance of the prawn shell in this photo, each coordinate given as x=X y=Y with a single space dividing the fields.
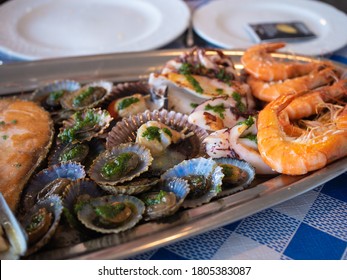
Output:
x=52 y=204
x=244 y=183
x=67 y=99
x=198 y=166
x=135 y=186
x=126 y=130
x=69 y=170
x=143 y=166
x=179 y=187
x=41 y=94
x=87 y=216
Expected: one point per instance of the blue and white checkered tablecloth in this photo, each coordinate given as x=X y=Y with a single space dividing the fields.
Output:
x=312 y=226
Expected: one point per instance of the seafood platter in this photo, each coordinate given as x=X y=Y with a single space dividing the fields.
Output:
x=110 y=156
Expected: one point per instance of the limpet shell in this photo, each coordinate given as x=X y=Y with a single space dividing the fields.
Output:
x=135 y=186
x=53 y=205
x=68 y=170
x=108 y=155
x=87 y=131
x=248 y=172
x=198 y=166
x=88 y=217
x=178 y=186
x=67 y=100
x=80 y=189
x=43 y=94
x=60 y=149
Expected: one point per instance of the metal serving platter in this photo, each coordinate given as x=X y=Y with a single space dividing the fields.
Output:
x=21 y=78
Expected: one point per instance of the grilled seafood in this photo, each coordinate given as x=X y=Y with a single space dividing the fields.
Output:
x=157 y=136
x=26 y=132
x=196 y=76
x=258 y=62
x=268 y=91
x=221 y=112
x=323 y=141
x=238 y=142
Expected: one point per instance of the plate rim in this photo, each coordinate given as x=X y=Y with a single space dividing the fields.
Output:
x=210 y=9
x=21 y=49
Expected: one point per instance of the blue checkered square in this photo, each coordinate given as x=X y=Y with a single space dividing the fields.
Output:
x=337 y=187
x=165 y=254
x=270 y=228
x=202 y=246
x=322 y=247
x=329 y=215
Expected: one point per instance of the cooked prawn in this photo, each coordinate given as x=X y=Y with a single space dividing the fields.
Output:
x=257 y=61
x=322 y=143
x=268 y=91
x=309 y=104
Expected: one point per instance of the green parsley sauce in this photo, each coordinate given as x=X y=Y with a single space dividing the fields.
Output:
x=36 y=220
x=219 y=109
x=109 y=211
x=55 y=95
x=153 y=200
x=118 y=166
x=79 y=99
x=127 y=102
x=90 y=119
x=73 y=153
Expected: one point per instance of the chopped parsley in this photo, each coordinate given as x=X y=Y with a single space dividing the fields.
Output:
x=126 y=102
x=194 y=105
x=186 y=69
x=249 y=122
x=167 y=131
x=194 y=83
x=73 y=153
x=219 y=109
x=83 y=122
x=225 y=77
x=79 y=99
x=219 y=91
x=5 y=137
x=55 y=95
x=251 y=137
x=239 y=105
x=152 y=133
x=156 y=199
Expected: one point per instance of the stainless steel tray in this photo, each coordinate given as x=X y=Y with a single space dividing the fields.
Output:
x=20 y=78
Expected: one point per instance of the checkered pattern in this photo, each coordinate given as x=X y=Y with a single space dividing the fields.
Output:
x=312 y=226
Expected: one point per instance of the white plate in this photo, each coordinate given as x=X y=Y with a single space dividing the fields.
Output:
x=223 y=23
x=37 y=29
